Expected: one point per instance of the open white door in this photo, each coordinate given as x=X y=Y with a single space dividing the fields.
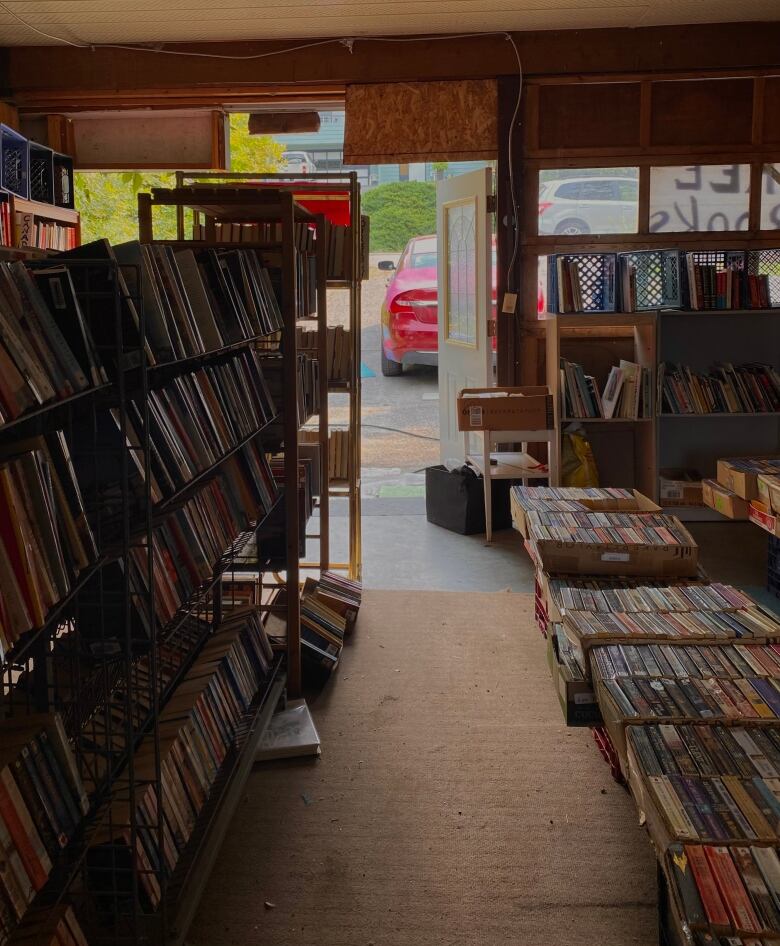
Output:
x=464 y=230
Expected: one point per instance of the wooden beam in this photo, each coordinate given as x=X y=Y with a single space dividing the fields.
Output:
x=45 y=76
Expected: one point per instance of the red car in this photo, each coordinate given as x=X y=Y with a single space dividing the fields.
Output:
x=410 y=312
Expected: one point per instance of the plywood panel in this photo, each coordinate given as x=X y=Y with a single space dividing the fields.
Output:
x=702 y=112
x=589 y=115
x=771 y=111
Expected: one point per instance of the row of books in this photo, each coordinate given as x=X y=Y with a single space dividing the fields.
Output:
x=339 y=354
x=30 y=231
x=49 y=926
x=323 y=626
x=607 y=528
x=45 y=539
x=638 y=594
x=725 y=389
x=189 y=543
x=711 y=286
x=727 y=891
x=199 y=417
x=732 y=661
x=44 y=356
x=627 y=393
x=198 y=727
x=200 y=300
x=663 y=279
x=268 y=233
x=42 y=802
x=705 y=698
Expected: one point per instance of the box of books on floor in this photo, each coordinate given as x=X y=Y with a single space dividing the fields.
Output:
x=721 y=615
x=705 y=783
x=668 y=683
x=573 y=499
x=575 y=694
x=724 y=895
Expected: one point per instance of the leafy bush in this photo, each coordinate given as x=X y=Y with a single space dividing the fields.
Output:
x=398 y=212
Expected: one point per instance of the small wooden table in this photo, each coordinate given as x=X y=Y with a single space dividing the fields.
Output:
x=508 y=464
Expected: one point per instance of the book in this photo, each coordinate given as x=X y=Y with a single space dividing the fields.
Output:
x=725 y=389
x=290 y=733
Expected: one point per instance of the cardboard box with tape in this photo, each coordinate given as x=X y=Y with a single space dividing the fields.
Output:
x=505 y=408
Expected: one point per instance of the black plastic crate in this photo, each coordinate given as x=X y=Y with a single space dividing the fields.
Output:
x=63 y=180
x=597 y=280
x=766 y=263
x=657 y=279
x=41 y=173
x=14 y=162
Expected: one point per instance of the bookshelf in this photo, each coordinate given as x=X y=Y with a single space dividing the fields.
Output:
x=30 y=225
x=624 y=449
x=696 y=339
x=325 y=194
x=130 y=518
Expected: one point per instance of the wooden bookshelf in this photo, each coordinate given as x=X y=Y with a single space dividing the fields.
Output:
x=624 y=449
x=40 y=213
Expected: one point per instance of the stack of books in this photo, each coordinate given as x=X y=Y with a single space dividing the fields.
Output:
x=526 y=499
x=339 y=354
x=42 y=803
x=49 y=926
x=43 y=234
x=342 y=594
x=263 y=233
x=200 y=300
x=198 y=727
x=329 y=609
x=45 y=539
x=728 y=895
x=627 y=394
x=725 y=389
x=338 y=455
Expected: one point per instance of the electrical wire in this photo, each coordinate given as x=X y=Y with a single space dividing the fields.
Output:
x=348 y=43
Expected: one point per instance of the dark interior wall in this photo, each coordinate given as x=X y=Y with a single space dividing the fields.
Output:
x=55 y=77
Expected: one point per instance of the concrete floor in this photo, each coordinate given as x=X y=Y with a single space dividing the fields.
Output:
x=402 y=550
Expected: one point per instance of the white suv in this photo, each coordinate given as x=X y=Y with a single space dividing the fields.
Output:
x=588 y=205
x=297 y=162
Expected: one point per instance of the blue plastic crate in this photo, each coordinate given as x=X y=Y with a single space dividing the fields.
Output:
x=14 y=162
x=41 y=173
x=657 y=279
x=597 y=280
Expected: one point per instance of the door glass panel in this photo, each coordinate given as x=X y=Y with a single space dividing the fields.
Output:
x=701 y=197
x=461 y=273
x=770 y=198
x=588 y=200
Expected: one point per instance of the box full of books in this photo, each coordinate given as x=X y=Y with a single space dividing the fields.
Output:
x=769 y=491
x=575 y=694
x=740 y=474
x=680 y=488
x=724 y=500
x=526 y=499
x=612 y=543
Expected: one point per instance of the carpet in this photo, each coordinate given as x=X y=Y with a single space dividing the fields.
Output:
x=451 y=806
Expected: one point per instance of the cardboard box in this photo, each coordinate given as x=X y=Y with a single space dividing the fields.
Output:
x=680 y=488
x=647 y=561
x=762 y=516
x=505 y=408
x=735 y=474
x=724 y=501
x=638 y=503
x=577 y=697
x=769 y=491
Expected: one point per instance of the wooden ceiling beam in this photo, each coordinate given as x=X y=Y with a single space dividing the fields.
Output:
x=44 y=77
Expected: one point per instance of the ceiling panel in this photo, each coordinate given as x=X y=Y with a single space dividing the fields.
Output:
x=144 y=21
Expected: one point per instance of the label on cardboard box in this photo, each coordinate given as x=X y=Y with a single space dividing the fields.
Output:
x=615 y=557
x=582 y=698
x=475 y=416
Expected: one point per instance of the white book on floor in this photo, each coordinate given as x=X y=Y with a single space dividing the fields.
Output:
x=290 y=733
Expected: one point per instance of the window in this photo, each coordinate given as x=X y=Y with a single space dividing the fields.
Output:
x=461 y=266
x=589 y=200
x=770 y=198
x=702 y=198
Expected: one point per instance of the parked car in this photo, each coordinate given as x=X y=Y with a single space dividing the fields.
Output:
x=410 y=311
x=298 y=162
x=588 y=205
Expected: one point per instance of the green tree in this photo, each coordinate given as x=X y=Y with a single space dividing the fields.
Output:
x=398 y=212
x=108 y=201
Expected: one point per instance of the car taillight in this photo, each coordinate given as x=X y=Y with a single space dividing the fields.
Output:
x=422 y=303
x=544 y=205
